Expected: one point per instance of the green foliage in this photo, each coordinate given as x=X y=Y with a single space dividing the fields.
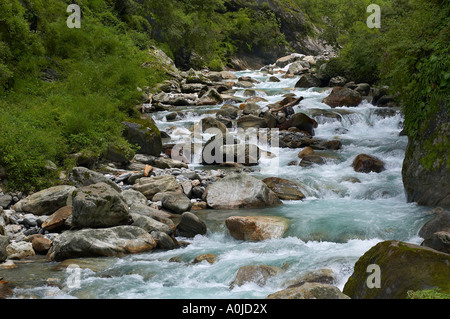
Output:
x=96 y=72
x=428 y=294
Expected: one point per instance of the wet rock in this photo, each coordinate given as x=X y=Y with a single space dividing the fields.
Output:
x=310 y=291
x=285 y=189
x=399 y=263
x=308 y=81
x=256 y=228
x=149 y=186
x=309 y=160
x=363 y=89
x=191 y=225
x=302 y=122
x=240 y=191
x=258 y=274
x=251 y=121
x=6 y=290
x=364 y=163
x=210 y=258
x=323 y=276
x=46 y=201
x=164 y=241
x=343 y=97
x=115 y=241
x=98 y=206
x=306 y=151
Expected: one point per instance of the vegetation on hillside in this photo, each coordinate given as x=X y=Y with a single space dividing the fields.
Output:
x=64 y=91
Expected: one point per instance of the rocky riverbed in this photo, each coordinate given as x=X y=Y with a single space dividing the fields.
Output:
x=251 y=184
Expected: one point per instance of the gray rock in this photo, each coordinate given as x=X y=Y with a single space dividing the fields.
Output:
x=149 y=186
x=132 y=196
x=191 y=225
x=81 y=176
x=45 y=202
x=5 y=200
x=115 y=241
x=308 y=81
x=98 y=206
x=240 y=191
x=149 y=224
x=145 y=134
x=176 y=202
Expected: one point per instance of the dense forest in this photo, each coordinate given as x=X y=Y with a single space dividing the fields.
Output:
x=64 y=91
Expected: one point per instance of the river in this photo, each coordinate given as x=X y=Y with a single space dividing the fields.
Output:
x=339 y=220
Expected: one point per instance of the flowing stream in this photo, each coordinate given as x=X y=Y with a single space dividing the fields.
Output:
x=340 y=219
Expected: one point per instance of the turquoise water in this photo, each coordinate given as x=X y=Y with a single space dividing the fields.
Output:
x=335 y=225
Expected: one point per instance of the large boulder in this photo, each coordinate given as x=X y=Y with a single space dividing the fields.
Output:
x=251 y=121
x=425 y=172
x=256 y=228
x=364 y=163
x=439 y=241
x=210 y=122
x=149 y=224
x=341 y=96
x=115 y=241
x=211 y=97
x=285 y=189
x=47 y=201
x=257 y=274
x=81 y=176
x=310 y=290
x=149 y=186
x=402 y=267
x=98 y=206
x=145 y=134
x=240 y=191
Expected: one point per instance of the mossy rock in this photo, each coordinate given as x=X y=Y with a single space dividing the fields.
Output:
x=145 y=134
x=403 y=267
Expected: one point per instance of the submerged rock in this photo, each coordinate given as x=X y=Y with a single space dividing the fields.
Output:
x=256 y=228
x=240 y=191
x=310 y=290
x=257 y=274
